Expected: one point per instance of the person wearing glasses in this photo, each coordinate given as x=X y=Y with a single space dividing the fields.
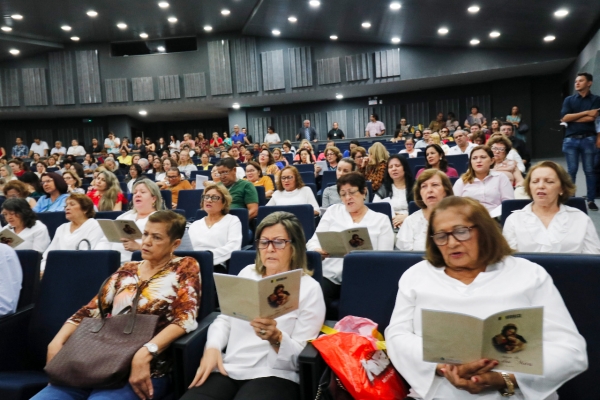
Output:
x=219 y=232
x=469 y=269
x=56 y=193
x=259 y=359
x=243 y=193
x=176 y=184
x=291 y=190
x=24 y=223
x=500 y=147
x=409 y=148
x=352 y=213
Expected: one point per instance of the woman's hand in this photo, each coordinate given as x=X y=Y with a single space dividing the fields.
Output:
x=317 y=170
x=211 y=359
x=399 y=219
x=130 y=245
x=266 y=329
x=466 y=371
x=476 y=384
x=139 y=378
x=323 y=253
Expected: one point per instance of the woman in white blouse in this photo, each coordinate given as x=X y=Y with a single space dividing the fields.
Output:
x=186 y=166
x=79 y=210
x=469 y=269
x=271 y=136
x=482 y=183
x=291 y=190
x=174 y=144
x=352 y=213
x=259 y=359
x=431 y=187
x=547 y=225
x=409 y=148
x=396 y=188
x=218 y=232
x=24 y=223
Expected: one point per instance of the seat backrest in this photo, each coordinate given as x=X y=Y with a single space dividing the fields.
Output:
x=150 y=176
x=71 y=280
x=241 y=259
x=508 y=206
x=328 y=178
x=371 y=283
x=200 y=172
x=304 y=212
x=262 y=198
x=313 y=187
x=305 y=167
x=108 y=214
x=369 y=186
x=207 y=284
x=30 y=265
x=412 y=207
x=167 y=198
x=52 y=220
x=307 y=177
x=579 y=203
x=242 y=214
x=382 y=207
x=289 y=158
x=189 y=200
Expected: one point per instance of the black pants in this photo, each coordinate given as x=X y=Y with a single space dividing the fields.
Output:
x=219 y=387
x=331 y=292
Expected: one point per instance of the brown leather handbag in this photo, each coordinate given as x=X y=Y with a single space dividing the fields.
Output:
x=98 y=354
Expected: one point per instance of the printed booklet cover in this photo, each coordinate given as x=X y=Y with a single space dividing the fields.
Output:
x=115 y=230
x=513 y=337
x=9 y=238
x=338 y=244
x=270 y=297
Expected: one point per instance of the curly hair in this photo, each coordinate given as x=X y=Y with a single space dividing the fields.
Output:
x=22 y=209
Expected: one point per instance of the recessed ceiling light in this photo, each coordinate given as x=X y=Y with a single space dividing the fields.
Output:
x=395 y=40
x=314 y=3
x=6 y=28
x=121 y=25
x=366 y=25
x=163 y=4
x=14 y=52
x=144 y=35
x=333 y=37
x=160 y=48
x=225 y=12
x=276 y=32
x=92 y=13
x=474 y=42
x=65 y=28
x=339 y=96
x=549 y=38
x=236 y=106
x=494 y=34
x=443 y=31
x=143 y=112
x=172 y=19
x=561 y=13
x=473 y=9
x=208 y=28
x=75 y=38
x=292 y=19
x=395 y=5
x=17 y=16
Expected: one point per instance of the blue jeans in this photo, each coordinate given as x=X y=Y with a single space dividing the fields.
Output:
x=50 y=392
x=586 y=149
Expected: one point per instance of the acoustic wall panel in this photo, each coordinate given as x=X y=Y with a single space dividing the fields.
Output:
x=328 y=71
x=387 y=63
x=357 y=67
x=88 y=76
x=246 y=65
x=272 y=70
x=390 y=116
x=418 y=113
x=117 y=90
x=340 y=118
x=34 y=86
x=142 y=89
x=317 y=121
x=9 y=88
x=300 y=67
x=483 y=102
x=448 y=105
x=259 y=128
x=194 y=84
x=168 y=87
x=67 y=134
x=62 y=86
x=219 y=63
x=287 y=126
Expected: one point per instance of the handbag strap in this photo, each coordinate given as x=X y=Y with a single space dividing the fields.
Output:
x=89 y=246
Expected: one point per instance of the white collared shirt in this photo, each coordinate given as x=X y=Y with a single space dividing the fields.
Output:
x=221 y=239
x=39 y=148
x=491 y=192
x=413 y=233
x=570 y=231
x=455 y=150
x=514 y=155
x=35 y=238
x=11 y=280
x=76 y=151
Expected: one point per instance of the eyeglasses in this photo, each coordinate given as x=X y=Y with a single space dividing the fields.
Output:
x=47 y=182
x=349 y=192
x=287 y=178
x=461 y=233
x=215 y=173
x=278 y=244
x=173 y=177
x=498 y=149
x=330 y=154
x=211 y=197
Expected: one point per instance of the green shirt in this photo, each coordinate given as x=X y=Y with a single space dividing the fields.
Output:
x=243 y=193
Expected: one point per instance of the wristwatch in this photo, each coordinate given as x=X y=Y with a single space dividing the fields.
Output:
x=510 y=386
x=152 y=348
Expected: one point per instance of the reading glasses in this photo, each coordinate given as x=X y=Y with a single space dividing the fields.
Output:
x=278 y=244
x=460 y=233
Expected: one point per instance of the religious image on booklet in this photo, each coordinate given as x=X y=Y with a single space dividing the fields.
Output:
x=270 y=297
x=10 y=238
x=338 y=244
x=115 y=230
x=513 y=337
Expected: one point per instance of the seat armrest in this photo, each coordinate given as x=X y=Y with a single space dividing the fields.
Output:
x=14 y=331
x=312 y=367
x=188 y=351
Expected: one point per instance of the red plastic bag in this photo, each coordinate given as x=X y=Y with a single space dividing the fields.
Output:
x=347 y=355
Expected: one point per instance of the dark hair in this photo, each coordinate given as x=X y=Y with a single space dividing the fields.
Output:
x=256 y=166
x=409 y=179
x=512 y=127
x=22 y=209
x=469 y=176
x=356 y=142
x=507 y=327
x=17 y=185
x=228 y=162
x=451 y=115
x=415 y=133
x=375 y=116
x=175 y=223
x=355 y=179
x=300 y=154
x=270 y=128
x=475 y=107
x=443 y=160
x=86 y=204
x=92 y=157
x=32 y=179
x=589 y=77
x=79 y=169
x=138 y=169
x=59 y=182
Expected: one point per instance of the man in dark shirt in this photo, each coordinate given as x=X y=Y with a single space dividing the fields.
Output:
x=335 y=133
x=580 y=111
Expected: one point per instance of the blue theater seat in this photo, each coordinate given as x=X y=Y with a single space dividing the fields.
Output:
x=382 y=207
x=52 y=220
x=189 y=200
x=304 y=212
x=167 y=198
x=508 y=206
x=108 y=214
x=30 y=264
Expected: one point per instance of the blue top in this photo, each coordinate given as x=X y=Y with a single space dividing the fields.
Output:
x=45 y=204
x=20 y=150
x=576 y=104
x=238 y=138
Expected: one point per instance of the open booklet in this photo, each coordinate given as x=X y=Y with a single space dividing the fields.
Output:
x=513 y=337
x=118 y=229
x=270 y=297
x=338 y=244
x=10 y=238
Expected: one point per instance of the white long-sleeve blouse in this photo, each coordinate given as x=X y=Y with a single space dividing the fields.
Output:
x=222 y=239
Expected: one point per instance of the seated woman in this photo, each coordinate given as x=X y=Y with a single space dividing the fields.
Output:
x=397 y=188
x=73 y=182
x=430 y=188
x=267 y=163
x=218 y=232
x=547 y=224
x=155 y=277
x=6 y=172
x=18 y=190
x=305 y=144
x=279 y=159
x=373 y=167
x=330 y=194
x=482 y=183
x=24 y=223
x=291 y=191
x=255 y=175
x=500 y=147
x=409 y=148
x=40 y=168
x=214 y=175
x=435 y=158
x=55 y=189
x=34 y=186
x=205 y=164
x=435 y=138
x=82 y=227
x=304 y=157
x=260 y=359
x=469 y=269
x=352 y=213
x=135 y=174
x=107 y=195
x=125 y=160
x=186 y=166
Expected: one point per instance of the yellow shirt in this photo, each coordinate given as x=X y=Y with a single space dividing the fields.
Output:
x=265 y=182
x=127 y=160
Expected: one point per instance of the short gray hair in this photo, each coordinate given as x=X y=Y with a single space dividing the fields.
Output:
x=459 y=131
x=307 y=120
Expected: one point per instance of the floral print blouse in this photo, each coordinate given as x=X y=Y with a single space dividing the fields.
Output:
x=173 y=293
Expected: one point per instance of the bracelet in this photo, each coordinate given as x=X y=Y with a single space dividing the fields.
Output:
x=510 y=386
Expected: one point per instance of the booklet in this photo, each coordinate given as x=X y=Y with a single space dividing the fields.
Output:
x=200 y=179
x=323 y=165
x=513 y=337
x=8 y=237
x=270 y=297
x=338 y=244
x=118 y=229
